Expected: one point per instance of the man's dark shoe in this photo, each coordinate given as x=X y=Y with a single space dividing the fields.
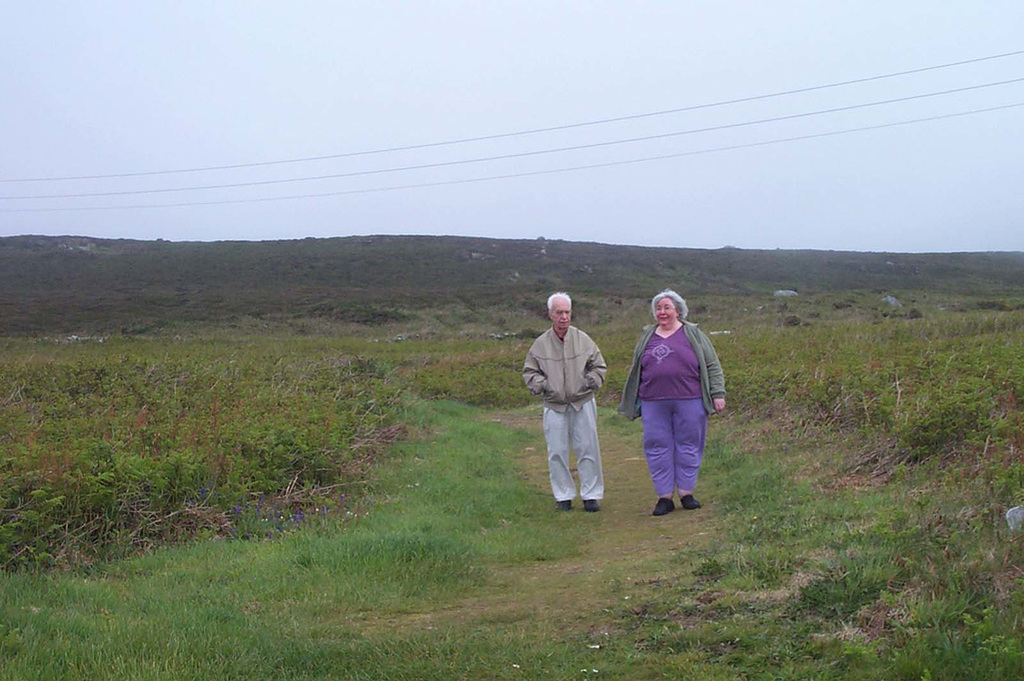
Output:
x=591 y=505
x=564 y=505
x=663 y=506
x=689 y=503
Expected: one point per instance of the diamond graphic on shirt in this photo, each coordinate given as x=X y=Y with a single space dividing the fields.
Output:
x=660 y=352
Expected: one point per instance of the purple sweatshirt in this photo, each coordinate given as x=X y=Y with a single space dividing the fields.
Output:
x=669 y=369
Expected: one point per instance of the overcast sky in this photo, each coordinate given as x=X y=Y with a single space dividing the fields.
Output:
x=101 y=88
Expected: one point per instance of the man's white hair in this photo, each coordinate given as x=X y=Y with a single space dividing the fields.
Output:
x=676 y=299
x=559 y=294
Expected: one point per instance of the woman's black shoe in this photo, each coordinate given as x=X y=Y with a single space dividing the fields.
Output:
x=663 y=506
x=689 y=503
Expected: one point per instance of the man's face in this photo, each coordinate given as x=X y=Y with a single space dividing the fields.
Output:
x=561 y=315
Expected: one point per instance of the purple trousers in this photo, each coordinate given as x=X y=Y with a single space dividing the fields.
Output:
x=674 y=433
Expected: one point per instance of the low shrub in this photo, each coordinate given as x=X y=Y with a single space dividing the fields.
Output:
x=109 y=453
x=928 y=388
x=486 y=379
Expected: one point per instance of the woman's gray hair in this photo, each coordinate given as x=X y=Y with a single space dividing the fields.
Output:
x=558 y=294
x=676 y=299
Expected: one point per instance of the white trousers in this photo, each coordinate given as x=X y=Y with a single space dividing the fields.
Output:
x=576 y=430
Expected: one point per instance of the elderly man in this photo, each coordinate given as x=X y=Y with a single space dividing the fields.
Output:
x=566 y=367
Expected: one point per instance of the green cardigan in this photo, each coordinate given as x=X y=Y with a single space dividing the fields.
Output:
x=712 y=379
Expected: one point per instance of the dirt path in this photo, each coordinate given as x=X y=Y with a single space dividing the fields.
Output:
x=622 y=544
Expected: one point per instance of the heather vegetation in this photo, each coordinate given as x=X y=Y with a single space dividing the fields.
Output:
x=89 y=286
x=334 y=514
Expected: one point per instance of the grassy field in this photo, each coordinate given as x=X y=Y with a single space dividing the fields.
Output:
x=454 y=566
x=361 y=492
x=114 y=446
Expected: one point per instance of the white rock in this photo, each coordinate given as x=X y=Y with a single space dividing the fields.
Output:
x=1015 y=517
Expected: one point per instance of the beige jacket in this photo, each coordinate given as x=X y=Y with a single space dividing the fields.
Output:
x=566 y=372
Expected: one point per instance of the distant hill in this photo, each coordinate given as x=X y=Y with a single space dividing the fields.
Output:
x=72 y=284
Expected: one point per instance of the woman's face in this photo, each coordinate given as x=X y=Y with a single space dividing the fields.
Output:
x=665 y=312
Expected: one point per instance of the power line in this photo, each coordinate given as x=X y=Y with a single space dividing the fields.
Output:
x=552 y=171
x=532 y=131
x=482 y=159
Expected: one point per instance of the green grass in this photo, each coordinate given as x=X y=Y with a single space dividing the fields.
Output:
x=868 y=582
x=435 y=576
x=424 y=533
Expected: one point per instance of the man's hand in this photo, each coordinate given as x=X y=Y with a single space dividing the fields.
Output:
x=719 y=404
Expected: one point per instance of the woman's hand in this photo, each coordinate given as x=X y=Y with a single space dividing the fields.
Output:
x=719 y=404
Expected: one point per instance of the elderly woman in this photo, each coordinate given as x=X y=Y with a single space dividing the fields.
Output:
x=677 y=378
